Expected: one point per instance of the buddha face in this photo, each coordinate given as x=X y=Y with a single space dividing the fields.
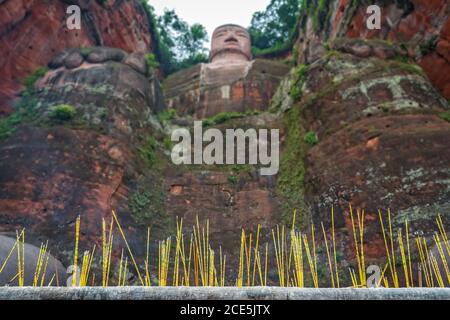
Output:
x=230 y=42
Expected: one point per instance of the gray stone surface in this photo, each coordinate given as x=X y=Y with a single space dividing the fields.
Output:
x=103 y=54
x=31 y=255
x=228 y=293
x=73 y=60
x=137 y=62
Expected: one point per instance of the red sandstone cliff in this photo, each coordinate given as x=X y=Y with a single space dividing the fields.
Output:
x=381 y=139
x=421 y=27
x=32 y=32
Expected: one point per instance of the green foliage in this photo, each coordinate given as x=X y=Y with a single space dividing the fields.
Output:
x=241 y=168
x=290 y=182
x=30 y=81
x=320 y=15
x=427 y=47
x=409 y=67
x=311 y=138
x=185 y=42
x=226 y=116
x=148 y=151
x=161 y=50
x=8 y=125
x=167 y=115
x=62 y=112
x=168 y=143
x=85 y=51
x=445 y=116
x=26 y=108
x=180 y=45
x=299 y=79
x=402 y=59
x=406 y=5
x=152 y=63
x=24 y=111
x=271 y=30
x=232 y=179
x=190 y=61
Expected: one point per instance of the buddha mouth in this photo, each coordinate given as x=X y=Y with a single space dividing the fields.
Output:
x=234 y=49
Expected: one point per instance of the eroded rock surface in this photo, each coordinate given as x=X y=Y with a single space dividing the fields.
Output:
x=381 y=143
x=33 y=32
x=361 y=123
x=422 y=28
x=56 y=166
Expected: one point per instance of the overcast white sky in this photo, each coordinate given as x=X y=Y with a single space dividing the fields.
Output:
x=212 y=13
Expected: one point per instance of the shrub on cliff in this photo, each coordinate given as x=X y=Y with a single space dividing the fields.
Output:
x=25 y=109
x=445 y=116
x=30 y=81
x=167 y=115
x=223 y=117
x=311 y=138
x=152 y=63
x=62 y=112
x=148 y=151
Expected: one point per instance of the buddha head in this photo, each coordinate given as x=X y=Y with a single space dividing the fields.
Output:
x=230 y=42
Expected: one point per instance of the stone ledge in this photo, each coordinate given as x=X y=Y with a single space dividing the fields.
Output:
x=227 y=293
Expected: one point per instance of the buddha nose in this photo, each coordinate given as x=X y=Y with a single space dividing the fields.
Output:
x=231 y=38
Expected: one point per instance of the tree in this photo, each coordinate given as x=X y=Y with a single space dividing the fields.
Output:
x=178 y=45
x=273 y=27
x=186 y=43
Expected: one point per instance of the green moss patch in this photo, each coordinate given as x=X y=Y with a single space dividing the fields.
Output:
x=152 y=62
x=299 y=79
x=148 y=150
x=31 y=80
x=290 y=182
x=226 y=116
x=147 y=207
x=25 y=111
x=445 y=116
x=167 y=115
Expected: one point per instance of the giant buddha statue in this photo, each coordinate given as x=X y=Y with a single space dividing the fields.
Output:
x=231 y=81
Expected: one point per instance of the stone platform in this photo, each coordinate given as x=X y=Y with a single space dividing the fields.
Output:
x=227 y=293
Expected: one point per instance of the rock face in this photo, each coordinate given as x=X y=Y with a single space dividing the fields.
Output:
x=381 y=140
x=421 y=27
x=382 y=144
x=230 y=201
x=33 y=32
x=380 y=137
x=364 y=120
x=63 y=164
